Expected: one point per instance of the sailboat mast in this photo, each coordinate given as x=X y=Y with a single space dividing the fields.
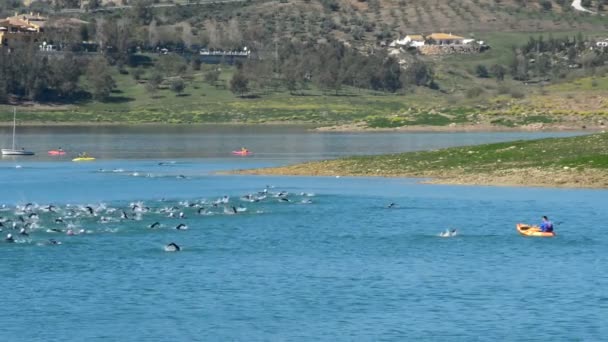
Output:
x=14 y=124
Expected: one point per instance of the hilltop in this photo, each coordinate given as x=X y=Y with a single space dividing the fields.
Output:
x=353 y=21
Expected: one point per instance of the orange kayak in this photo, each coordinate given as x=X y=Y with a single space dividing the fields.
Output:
x=528 y=230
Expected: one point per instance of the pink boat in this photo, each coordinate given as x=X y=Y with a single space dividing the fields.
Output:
x=243 y=152
x=57 y=152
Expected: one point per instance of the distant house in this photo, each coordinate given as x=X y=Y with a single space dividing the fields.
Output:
x=409 y=40
x=31 y=28
x=398 y=42
x=602 y=43
x=444 y=39
x=21 y=29
x=415 y=40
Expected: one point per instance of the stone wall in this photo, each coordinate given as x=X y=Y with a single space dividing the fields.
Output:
x=437 y=50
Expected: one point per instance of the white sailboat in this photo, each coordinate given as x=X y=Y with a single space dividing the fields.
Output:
x=13 y=151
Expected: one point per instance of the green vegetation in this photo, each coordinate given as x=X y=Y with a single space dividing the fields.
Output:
x=575 y=161
x=317 y=61
x=578 y=152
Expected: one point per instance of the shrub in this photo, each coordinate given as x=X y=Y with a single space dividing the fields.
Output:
x=178 y=85
x=482 y=71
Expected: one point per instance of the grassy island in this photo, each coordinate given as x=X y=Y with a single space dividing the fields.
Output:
x=580 y=161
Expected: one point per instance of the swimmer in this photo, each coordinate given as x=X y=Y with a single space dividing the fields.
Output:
x=448 y=233
x=154 y=225
x=9 y=238
x=172 y=247
x=90 y=210
x=181 y=226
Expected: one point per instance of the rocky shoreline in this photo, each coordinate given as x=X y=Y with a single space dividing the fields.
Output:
x=527 y=177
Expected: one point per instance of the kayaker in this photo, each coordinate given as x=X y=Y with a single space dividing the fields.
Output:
x=546 y=225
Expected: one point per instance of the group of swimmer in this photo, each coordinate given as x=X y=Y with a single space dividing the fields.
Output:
x=25 y=221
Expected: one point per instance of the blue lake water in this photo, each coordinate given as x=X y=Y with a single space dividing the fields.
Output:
x=341 y=268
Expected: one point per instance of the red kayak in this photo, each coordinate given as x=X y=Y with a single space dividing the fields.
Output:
x=56 y=152
x=242 y=153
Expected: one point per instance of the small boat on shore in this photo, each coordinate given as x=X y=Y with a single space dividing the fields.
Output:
x=528 y=230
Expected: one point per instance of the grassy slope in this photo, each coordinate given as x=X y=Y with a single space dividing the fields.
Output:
x=577 y=161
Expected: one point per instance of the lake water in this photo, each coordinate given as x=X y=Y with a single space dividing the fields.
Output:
x=332 y=263
x=281 y=143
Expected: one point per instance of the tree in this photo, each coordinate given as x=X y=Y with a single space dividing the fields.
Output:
x=65 y=73
x=519 y=67
x=177 y=85
x=142 y=12
x=239 y=84
x=171 y=65
x=196 y=64
x=482 y=71
x=93 y=4
x=543 y=65
x=151 y=88
x=84 y=33
x=572 y=53
x=498 y=71
x=419 y=74
x=546 y=5
x=292 y=73
x=212 y=76
x=330 y=77
x=99 y=78
x=117 y=39
x=137 y=73
x=153 y=82
x=391 y=75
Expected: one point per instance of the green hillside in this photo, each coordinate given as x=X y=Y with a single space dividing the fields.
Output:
x=325 y=62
